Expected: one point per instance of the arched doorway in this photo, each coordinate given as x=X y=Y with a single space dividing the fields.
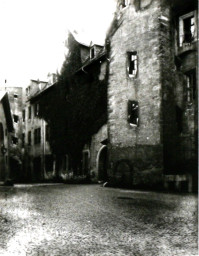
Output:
x=102 y=164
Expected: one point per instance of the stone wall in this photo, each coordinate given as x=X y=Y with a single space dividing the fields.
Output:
x=95 y=147
x=138 y=31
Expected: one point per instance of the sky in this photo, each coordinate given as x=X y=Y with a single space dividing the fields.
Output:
x=33 y=33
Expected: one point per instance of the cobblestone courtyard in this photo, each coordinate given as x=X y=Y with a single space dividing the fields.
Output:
x=92 y=220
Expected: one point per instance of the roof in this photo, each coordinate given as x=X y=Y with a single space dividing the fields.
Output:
x=84 y=44
x=41 y=92
x=90 y=61
x=6 y=105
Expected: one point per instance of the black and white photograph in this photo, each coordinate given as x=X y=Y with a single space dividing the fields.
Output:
x=99 y=128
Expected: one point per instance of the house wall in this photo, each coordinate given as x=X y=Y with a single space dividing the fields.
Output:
x=4 y=158
x=38 y=150
x=138 y=30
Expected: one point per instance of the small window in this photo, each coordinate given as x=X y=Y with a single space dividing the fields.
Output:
x=123 y=3
x=92 y=52
x=14 y=140
x=190 y=78
x=16 y=118
x=29 y=138
x=15 y=96
x=29 y=112
x=133 y=113
x=187 y=28
x=132 y=64
x=36 y=109
x=24 y=115
x=28 y=91
x=37 y=135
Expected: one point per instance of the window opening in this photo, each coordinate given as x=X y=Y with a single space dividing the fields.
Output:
x=133 y=113
x=92 y=53
x=14 y=140
x=24 y=115
x=190 y=86
x=37 y=135
x=16 y=118
x=132 y=64
x=29 y=111
x=36 y=109
x=187 y=28
x=124 y=3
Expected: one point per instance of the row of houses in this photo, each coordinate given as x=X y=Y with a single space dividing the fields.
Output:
x=139 y=91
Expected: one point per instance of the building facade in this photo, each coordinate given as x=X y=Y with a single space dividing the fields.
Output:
x=152 y=94
x=143 y=99
x=40 y=164
x=6 y=130
x=150 y=138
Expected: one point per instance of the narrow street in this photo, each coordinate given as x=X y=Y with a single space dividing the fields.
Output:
x=92 y=220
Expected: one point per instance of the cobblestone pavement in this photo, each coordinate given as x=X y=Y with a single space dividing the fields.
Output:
x=92 y=220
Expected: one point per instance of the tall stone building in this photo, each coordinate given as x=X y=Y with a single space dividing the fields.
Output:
x=16 y=101
x=37 y=153
x=152 y=93
x=6 y=130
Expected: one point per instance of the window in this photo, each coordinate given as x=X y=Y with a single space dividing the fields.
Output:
x=123 y=3
x=29 y=112
x=14 y=140
x=15 y=96
x=187 y=28
x=36 y=109
x=190 y=78
x=37 y=135
x=132 y=64
x=47 y=132
x=92 y=53
x=28 y=91
x=24 y=115
x=23 y=140
x=29 y=138
x=16 y=118
x=1 y=133
x=133 y=115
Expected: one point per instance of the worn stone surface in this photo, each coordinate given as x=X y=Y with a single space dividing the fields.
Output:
x=139 y=31
x=91 y=220
x=151 y=29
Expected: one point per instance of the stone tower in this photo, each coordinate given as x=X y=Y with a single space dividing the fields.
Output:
x=145 y=83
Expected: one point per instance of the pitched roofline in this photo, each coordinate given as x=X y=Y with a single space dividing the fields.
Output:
x=99 y=56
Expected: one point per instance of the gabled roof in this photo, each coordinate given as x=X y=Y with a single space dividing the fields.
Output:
x=39 y=93
x=6 y=106
x=90 y=61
